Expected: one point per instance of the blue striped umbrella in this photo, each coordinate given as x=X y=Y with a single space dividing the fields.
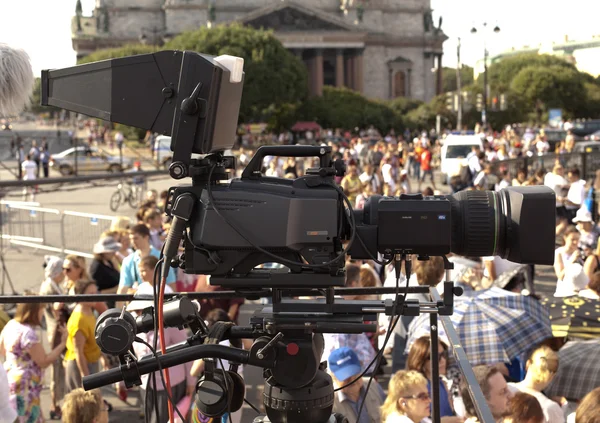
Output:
x=494 y=325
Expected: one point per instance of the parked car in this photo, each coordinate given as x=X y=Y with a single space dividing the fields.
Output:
x=88 y=160
x=586 y=127
x=587 y=147
x=593 y=137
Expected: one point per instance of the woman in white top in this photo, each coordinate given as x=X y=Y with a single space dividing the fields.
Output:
x=568 y=265
x=408 y=400
x=541 y=368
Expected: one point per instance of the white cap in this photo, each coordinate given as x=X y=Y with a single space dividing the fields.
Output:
x=234 y=64
x=583 y=215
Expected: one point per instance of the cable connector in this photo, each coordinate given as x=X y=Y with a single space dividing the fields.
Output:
x=183 y=206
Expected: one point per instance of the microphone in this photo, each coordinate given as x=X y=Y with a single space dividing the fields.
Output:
x=16 y=80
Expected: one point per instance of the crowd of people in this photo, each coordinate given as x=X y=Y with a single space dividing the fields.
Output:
x=126 y=255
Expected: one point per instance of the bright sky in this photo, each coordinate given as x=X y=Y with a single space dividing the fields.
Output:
x=43 y=28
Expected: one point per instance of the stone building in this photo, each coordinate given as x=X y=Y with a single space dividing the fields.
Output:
x=381 y=48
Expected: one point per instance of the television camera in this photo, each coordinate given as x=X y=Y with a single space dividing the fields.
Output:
x=229 y=229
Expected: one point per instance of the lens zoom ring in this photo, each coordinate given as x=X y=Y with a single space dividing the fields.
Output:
x=480 y=223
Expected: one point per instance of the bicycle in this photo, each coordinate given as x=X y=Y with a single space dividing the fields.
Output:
x=124 y=195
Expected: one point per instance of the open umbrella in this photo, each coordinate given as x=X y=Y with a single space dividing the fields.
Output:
x=578 y=370
x=574 y=317
x=493 y=325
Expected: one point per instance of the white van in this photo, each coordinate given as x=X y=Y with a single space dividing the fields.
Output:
x=454 y=153
x=164 y=155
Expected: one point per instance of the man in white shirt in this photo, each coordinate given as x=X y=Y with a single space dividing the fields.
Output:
x=576 y=194
x=29 y=168
x=556 y=181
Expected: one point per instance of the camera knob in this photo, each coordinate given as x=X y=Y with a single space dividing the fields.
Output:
x=177 y=170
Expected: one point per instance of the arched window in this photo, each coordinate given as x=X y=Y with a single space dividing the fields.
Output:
x=399 y=84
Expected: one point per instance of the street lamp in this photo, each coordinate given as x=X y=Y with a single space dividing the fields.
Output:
x=496 y=30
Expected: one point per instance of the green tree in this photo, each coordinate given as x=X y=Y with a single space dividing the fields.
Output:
x=347 y=109
x=449 y=78
x=403 y=105
x=501 y=74
x=542 y=88
x=113 y=53
x=273 y=76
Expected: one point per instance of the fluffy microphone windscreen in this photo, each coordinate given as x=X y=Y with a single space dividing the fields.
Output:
x=16 y=80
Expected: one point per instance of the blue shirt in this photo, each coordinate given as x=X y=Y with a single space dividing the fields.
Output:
x=130 y=273
x=445 y=408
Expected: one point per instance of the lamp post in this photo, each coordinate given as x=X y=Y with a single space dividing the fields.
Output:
x=485 y=59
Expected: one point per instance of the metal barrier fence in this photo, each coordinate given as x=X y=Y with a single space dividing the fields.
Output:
x=587 y=163
x=62 y=232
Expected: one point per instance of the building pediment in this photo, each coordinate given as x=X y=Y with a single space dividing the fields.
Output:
x=289 y=16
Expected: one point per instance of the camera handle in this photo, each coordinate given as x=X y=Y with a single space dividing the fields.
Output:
x=252 y=171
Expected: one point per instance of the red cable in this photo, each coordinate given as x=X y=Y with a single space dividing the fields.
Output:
x=163 y=348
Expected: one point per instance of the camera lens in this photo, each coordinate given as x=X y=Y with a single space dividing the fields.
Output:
x=512 y=223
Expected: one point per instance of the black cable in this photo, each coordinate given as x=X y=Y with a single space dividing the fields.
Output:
x=252 y=406
x=275 y=256
x=407 y=269
x=162 y=378
x=227 y=389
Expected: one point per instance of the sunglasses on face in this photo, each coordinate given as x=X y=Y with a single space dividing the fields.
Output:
x=67 y=269
x=423 y=396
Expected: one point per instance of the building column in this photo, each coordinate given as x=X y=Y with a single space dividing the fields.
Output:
x=390 y=84
x=408 y=83
x=439 y=85
x=358 y=72
x=310 y=67
x=339 y=68
x=349 y=80
x=319 y=71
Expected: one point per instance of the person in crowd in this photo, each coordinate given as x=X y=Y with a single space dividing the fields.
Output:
x=84 y=407
x=494 y=267
x=588 y=410
x=575 y=195
x=557 y=182
x=494 y=388
x=75 y=269
x=408 y=400
x=182 y=383
x=130 y=277
x=481 y=180
x=230 y=305
x=568 y=265
x=524 y=408
x=541 y=368
x=345 y=367
x=426 y=168
x=371 y=178
x=419 y=359
x=521 y=178
x=83 y=354
x=359 y=342
x=56 y=318
x=25 y=358
x=45 y=161
x=153 y=220
x=8 y=414
x=152 y=195
x=146 y=269
x=351 y=182
x=585 y=226
x=592 y=291
x=103 y=269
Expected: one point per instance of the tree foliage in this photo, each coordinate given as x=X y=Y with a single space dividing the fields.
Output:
x=274 y=77
x=449 y=82
x=344 y=108
x=113 y=53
